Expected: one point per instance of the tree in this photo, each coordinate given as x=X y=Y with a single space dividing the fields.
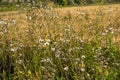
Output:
x=71 y=2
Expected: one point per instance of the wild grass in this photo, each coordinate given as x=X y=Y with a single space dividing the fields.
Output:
x=79 y=45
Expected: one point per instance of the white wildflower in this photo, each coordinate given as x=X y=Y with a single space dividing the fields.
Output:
x=1 y=33
x=53 y=49
x=67 y=30
x=99 y=48
x=88 y=75
x=83 y=56
x=81 y=47
x=112 y=32
x=76 y=62
x=13 y=21
x=63 y=40
x=1 y=22
x=20 y=61
x=20 y=54
x=43 y=68
x=29 y=4
x=70 y=49
x=83 y=13
x=13 y=50
x=17 y=5
x=66 y=68
x=106 y=31
x=11 y=45
x=77 y=59
x=81 y=41
x=30 y=18
x=46 y=44
x=83 y=78
x=57 y=54
x=20 y=72
x=77 y=48
x=82 y=69
x=46 y=60
x=103 y=34
x=33 y=2
x=41 y=40
x=55 y=42
x=110 y=28
x=90 y=22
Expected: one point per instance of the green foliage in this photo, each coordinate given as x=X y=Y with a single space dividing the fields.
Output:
x=61 y=2
x=64 y=2
x=84 y=2
x=38 y=3
x=8 y=7
x=71 y=2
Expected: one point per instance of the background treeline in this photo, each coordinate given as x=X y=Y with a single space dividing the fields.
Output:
x=84 y=2
x=62 y=2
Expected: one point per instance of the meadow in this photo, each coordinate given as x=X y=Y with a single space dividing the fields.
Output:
x=71 y=43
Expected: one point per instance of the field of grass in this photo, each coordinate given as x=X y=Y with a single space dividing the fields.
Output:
x=72 y=43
